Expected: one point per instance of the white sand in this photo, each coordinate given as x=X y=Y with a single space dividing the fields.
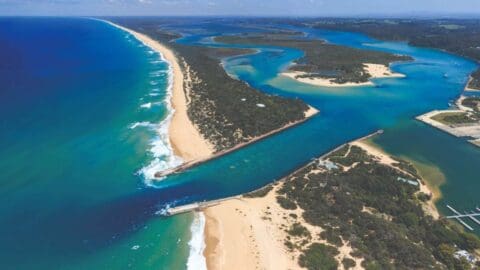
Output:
x=375 y=70
x=240 y=235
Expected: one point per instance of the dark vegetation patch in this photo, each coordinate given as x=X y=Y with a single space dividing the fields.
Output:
x=456 y=118
x=259 y=192
x=323 y=60
x=409 y=239
x=319 y=257
x=472 y=102
x=356 y=154
x=407 y=167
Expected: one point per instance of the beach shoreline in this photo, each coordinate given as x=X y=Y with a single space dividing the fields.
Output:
x=467 y=86
x=185 y=139
x=376 y=71
x=251 y=231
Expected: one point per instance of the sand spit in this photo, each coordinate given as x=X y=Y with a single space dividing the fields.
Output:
x=376 y=71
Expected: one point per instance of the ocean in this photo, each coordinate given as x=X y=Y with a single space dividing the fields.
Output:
x=84 y=110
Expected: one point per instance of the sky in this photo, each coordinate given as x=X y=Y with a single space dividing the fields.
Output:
x=347 y=8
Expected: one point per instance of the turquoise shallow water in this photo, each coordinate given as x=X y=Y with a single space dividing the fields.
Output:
x=72 y=90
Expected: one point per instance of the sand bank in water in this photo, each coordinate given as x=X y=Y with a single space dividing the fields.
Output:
x=376 y=71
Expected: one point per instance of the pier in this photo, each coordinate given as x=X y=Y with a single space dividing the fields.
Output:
x=470 y=215
x=196 y=206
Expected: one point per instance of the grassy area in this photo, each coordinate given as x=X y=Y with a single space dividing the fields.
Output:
x=455 y=118
x=472 y=102
x=340 y=63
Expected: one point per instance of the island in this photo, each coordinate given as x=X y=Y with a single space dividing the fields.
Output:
x=325 y=64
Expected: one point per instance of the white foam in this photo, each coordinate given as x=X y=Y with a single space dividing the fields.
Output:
x=157 y=73
x=162 y=152
x=146 y=105
x=161 y=149
x=142 y=124
x=196 y=260
x=154 y=94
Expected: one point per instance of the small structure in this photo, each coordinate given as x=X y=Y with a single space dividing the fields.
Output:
x=458 y=216
x=408 y=181
x=466 y=255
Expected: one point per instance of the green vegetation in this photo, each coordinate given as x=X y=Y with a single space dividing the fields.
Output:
x=286 y=203
x=348 y=263
x=407 y=167
x=227 y=111
x=319 y=257
x=475 y=82
x=259 y=192
x=394 y=234
x=456 y=118
x=340 y=63
x=298 y=230
x=458 y=36
x=472 y=102
x=355 y=154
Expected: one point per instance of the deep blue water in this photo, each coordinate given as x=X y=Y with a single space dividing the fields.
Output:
x=71 y=89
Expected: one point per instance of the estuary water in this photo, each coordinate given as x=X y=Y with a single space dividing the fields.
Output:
x=82 y=105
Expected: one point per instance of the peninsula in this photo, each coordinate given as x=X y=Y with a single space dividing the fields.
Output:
x=213 y=113
x=354 y=208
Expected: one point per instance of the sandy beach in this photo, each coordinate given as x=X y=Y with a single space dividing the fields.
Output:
x=241 y=232
x=186 y=140
x=376 y=71
x=251 y=232
x=467 y=86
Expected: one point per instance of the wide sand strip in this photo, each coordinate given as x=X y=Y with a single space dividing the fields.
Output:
x=376 y=71
x=240 y=235
x=185 y=138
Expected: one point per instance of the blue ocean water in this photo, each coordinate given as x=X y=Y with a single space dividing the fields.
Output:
x=79 y=104
x=76 y=130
